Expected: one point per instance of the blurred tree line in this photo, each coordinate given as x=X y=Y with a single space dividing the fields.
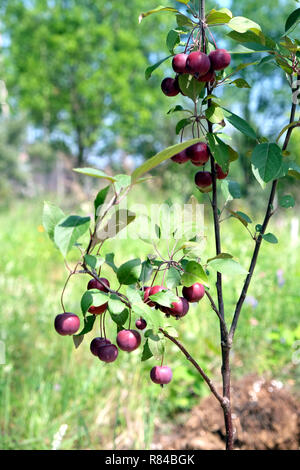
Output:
x=74 y=71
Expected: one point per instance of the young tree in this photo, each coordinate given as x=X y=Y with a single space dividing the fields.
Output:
x=200 y=67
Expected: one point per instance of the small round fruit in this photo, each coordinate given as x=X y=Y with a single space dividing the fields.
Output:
x=128 y=340
x=198 y=153
x=179 y=63
x=141 y=324
x=98 y=343
x=193 y=293
x=170 y=86
x=220 y=173
x=180 y=308
x=97 y=310
x=95 y=284
x=161 y=375
x=151 y=291
x=203 y=179
x=219 y=59
x=198 y=62
x=208 y=77
x=180 y=157
x=66 y=323
x=108 y=353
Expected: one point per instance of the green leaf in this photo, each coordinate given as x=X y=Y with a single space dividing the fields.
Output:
x=241 y=24
x=194 y=272
x=109 y=259
x=52 y=214
x=133 y=295
x=120 y=318
x=287 y=201
x=149 y=70
x=95 y=173
x=173 y=278
x=92 y=297
x=146 y=354
x=230 y=189
x=94 y=261
x=161 y=157
x=270 y=238
x=292 y=20
x=119 y=220
x=115 y=305
x=122 y=182
x=214 y=113
x=240 y=83
x=220 y=151
x=258 y=228
x=69 y=230
x=267 y=159
x=190 y=86
x=156 y=10
x=227 y=266
x=164 y=298
x=218 y=16
x=240 y=124
x=176 y=108
x=220 y=256
x=244 y=218
x=173 y=39
x=99 y=200
x=146 y=272
x=156 y=345
x=183 y=20
x=154 y=318
x=182 y=124
x=129 y=272
x=88 y=325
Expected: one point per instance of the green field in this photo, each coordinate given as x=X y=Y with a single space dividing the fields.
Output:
x=46 y=383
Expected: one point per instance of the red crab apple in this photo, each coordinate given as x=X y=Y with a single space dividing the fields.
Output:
x=180 y=157
x=108 y=353
x=66 y=323
x=170 y=86
x=180 y=308
x=161 y=375
x=219 y=59
x=151 y=291
x=198 y=153
x=208 y=77
x=193 y=293
x=220 y=173
x=179 y=63
x=141 y=324
x=128 y=340
x=95 y=284
x=203 y=179
x=98 y=343
x=198 y=62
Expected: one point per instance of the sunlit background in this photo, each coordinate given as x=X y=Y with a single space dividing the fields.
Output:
x=73 y=93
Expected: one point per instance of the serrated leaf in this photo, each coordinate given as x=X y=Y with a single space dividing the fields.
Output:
x=270 y=238
x=287 y=201
x=69 y=230
x=173 y=278
x=52 y=214
x=95 y=173
x=194 y=272
x=227 y=266
x=267 y=159
x=129 y=272
x=162 y=156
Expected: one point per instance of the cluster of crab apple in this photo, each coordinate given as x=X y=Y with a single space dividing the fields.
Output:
x=130 y=339
x=198 y=64
x=198 y=154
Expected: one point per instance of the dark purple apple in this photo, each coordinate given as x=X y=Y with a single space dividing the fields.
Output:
x=180 y=308
x=128 y=340
x=193 y=293
x=98 y=343
x=198 y=62
x=198 y=153
x=161 y=375
x=219 y=59
x=66 y=323
x=141 y=324
x=208 y=77
x=220 y=173
x=203 y=179
x=179 y=63
x=180 y=157
x=170 y=86
x=108 y=353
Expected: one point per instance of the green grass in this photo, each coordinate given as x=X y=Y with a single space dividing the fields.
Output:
x=45 y=383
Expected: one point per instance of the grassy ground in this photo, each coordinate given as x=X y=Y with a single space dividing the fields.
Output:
x=46 y=384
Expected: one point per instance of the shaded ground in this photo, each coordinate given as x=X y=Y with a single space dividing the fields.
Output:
x=266 y=416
